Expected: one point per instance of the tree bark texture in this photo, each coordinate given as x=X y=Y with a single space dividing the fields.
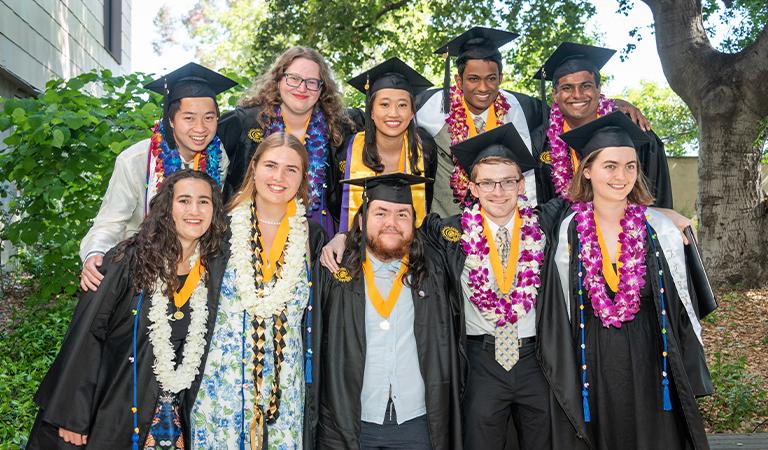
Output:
x=728 y=96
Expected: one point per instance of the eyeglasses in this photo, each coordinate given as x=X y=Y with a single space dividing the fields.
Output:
x=506 y=185
x=294 y=81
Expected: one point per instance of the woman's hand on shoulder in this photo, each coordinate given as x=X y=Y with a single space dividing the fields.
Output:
x=680 y=221
x=331 y=255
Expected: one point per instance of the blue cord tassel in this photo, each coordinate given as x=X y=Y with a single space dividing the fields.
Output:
x=585 y=405
x=308 y=356
x=134 y=363
x=308 y=367
x=667 y=400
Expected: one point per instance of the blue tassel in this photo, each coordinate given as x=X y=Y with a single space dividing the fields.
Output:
x=308 y=368
x=135 y=440
x=242 y=440
x=667 y=400
x=585 y=405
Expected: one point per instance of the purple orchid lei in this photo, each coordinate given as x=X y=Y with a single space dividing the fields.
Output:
x=485 y=295
x=626 y=302
x=316 y=143
x=562 y=166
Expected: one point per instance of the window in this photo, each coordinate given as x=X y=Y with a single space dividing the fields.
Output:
x=113 y=28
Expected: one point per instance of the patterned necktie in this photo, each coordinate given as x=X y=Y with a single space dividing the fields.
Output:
x=507 y=350
x=479 y=124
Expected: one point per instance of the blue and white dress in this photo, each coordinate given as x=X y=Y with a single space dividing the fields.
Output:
x=222 y=414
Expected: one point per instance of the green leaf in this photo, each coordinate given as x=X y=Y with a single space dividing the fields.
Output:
x=58 y=138
x=18 y=115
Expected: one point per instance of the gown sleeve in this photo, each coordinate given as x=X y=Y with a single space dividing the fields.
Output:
x=66 y=394
x=653 y=160
x=429 y=150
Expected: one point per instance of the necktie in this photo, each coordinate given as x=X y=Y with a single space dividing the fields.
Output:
x=507 y=349
x=479 y=124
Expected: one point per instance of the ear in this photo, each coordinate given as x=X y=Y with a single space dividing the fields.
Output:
x=457 y=79
x=473 y=189
x=587 y=174
x=521 y=185
x=360 y=221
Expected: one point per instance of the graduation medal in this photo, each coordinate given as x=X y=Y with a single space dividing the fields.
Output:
x=384 y=307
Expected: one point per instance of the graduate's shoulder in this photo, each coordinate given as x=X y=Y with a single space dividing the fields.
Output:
x=137 y=151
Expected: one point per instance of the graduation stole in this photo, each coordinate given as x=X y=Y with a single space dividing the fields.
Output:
x=562 y=158
x=384 y=306
x=461 y=127
x=352 y=198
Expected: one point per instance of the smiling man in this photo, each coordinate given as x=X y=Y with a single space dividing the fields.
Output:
x=494 y=251
x=574 y=70
x=391 y=359
x=185 y=138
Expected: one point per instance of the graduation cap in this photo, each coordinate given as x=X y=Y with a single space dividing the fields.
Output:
x=612 y=130
x=504 y=142
x=570 y=57
x=392 y=73
x=392 y=187
x=190 y=80
x=475 y=43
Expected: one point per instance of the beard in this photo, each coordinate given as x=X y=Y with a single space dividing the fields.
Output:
x=388 y=252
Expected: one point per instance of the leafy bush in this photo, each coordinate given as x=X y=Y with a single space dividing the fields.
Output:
x=27 y=353
x=740 y=401
x=58 y=160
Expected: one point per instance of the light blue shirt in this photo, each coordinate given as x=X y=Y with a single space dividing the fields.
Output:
x=391 y=358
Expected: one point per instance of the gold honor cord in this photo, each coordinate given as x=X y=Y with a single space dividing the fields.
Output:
x=181 y=297
x=490 y=119
x=384 y=307
x=504 y=275
x=611 y=276
x=270 y=262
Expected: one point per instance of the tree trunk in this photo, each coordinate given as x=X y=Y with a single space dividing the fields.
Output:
x=726 y=93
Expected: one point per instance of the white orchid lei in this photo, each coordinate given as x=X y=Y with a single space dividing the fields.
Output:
x=269 y=299
x=485 y=295
x=171 y=378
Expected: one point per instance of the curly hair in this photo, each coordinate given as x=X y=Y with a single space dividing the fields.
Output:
x=265 y=93
x=157 y=246
x=274 y=140
x=417 y=267
x=371 y=157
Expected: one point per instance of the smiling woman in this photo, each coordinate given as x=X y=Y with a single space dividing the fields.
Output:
x=130 y=360
x=259 y=368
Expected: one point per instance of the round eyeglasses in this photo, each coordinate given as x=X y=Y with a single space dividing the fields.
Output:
x=294 y=81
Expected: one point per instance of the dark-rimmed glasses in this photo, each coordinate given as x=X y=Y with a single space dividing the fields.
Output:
x=294 y=81
x=489 y=185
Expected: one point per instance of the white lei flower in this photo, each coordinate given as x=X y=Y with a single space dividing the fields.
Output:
x=477 y=257
x=269 y=299
x=178 y=379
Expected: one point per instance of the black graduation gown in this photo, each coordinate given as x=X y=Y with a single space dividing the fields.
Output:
x=689 y=376
x=88 y=388
x=343 y=347
x=240 y=134
x=338 y=161
x=552 y=326
x=652 y=158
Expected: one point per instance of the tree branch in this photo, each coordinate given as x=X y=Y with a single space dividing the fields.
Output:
x=754 y=73
x=386 y=9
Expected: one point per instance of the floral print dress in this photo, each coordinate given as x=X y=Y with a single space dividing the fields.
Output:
x=222 y=414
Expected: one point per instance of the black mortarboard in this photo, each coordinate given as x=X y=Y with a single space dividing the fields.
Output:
x=392 y=73
x=503 y=141
x=475 y=43
x=190 y=80
x=392 y=187
x=612 y=130
x=569 y=58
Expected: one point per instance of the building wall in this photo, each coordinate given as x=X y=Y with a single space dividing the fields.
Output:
x=684 y=171
x=43 y=39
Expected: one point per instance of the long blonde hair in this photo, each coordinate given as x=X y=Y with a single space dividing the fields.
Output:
x=581 y=186
x=265 y=92
x=274 y=140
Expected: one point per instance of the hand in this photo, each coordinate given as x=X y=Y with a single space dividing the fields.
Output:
x=331 y=255
x=634 y=114
x=90 y=277
x=72 y=437
x=680 y=221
